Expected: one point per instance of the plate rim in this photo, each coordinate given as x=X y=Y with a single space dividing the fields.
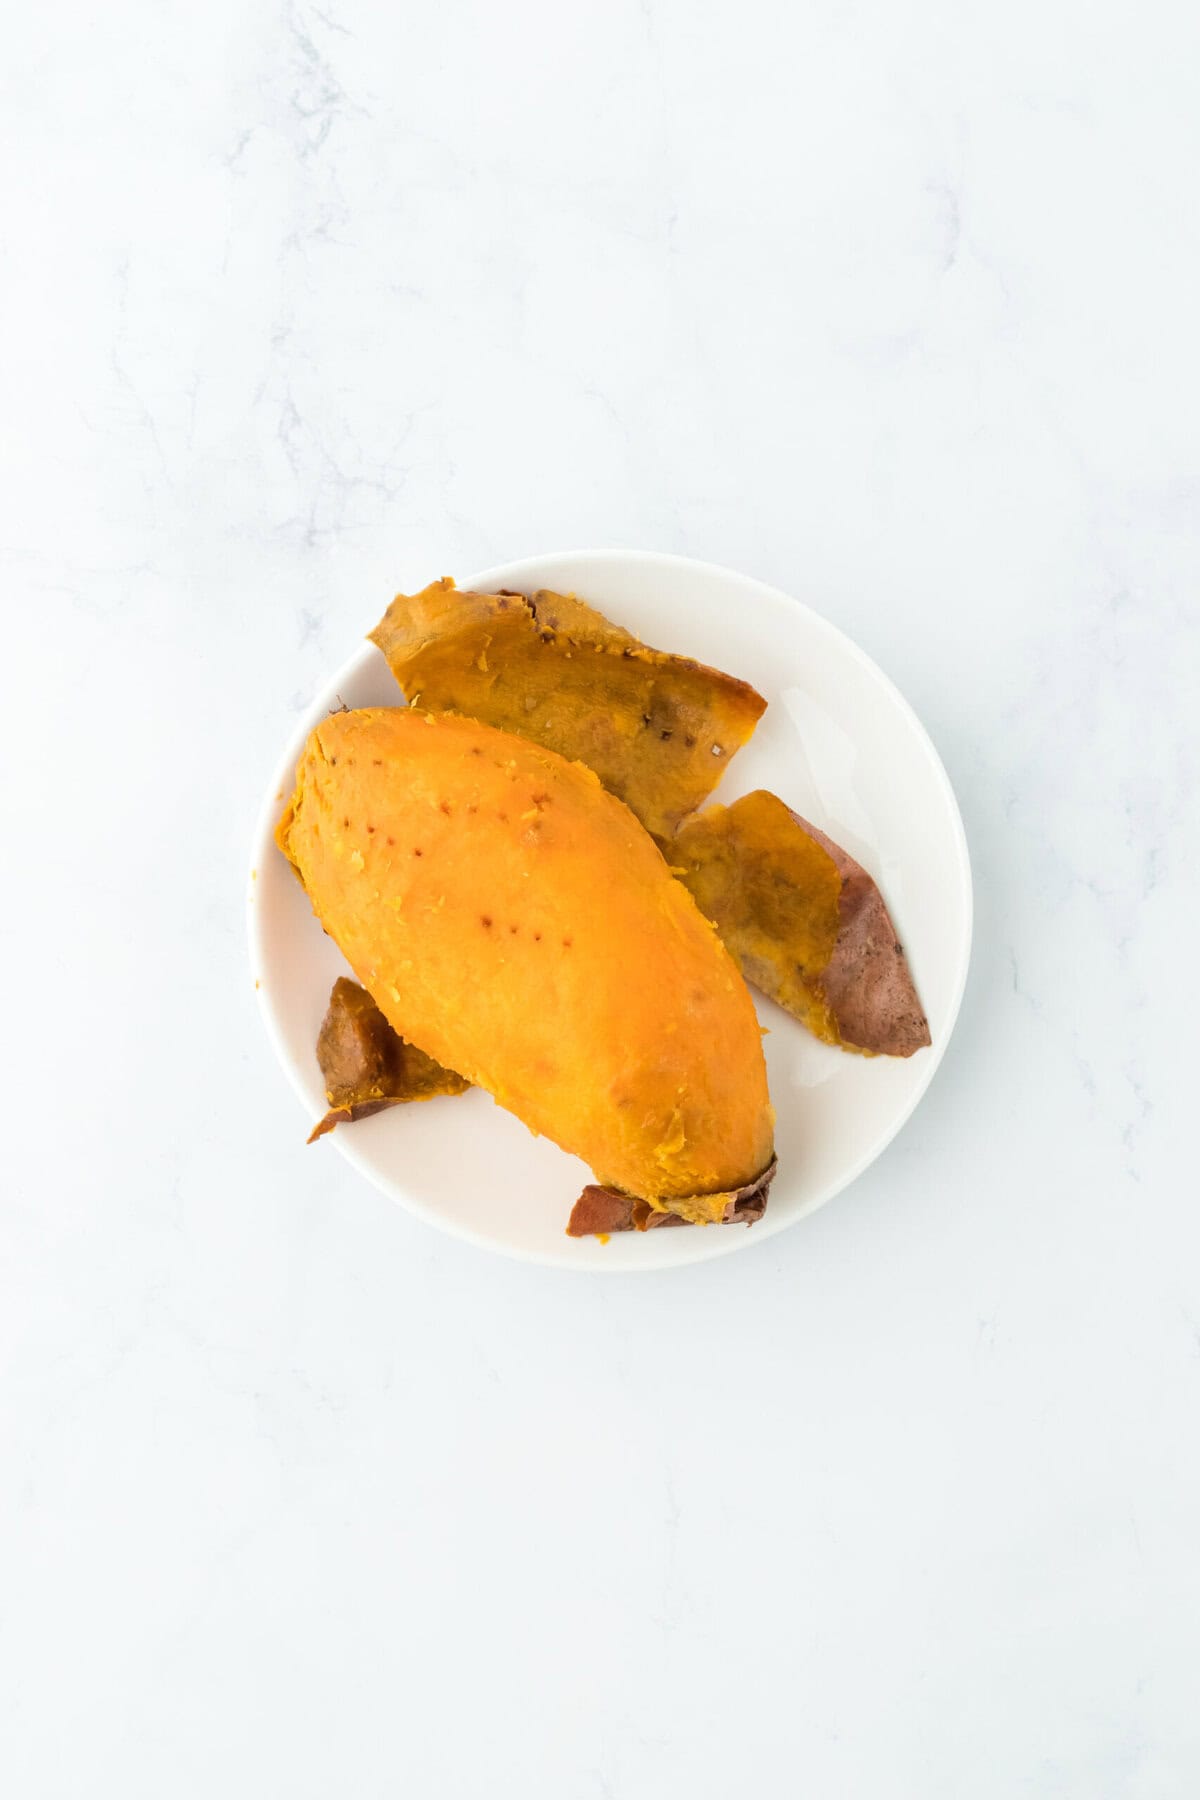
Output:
x=698 y=1249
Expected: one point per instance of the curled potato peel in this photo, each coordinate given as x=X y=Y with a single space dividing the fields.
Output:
x=657 y=729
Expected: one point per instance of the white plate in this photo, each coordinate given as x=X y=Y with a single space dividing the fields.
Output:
x=838 y=743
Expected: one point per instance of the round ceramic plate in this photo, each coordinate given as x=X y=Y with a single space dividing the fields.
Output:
x=840 y=745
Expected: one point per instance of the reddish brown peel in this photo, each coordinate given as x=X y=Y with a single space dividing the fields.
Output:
x=599 y=1211
x=868 y=985
x=804 y=921
x=367 y=1066
x=657 y=729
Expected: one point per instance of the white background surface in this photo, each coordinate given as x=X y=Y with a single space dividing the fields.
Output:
x=894 y=307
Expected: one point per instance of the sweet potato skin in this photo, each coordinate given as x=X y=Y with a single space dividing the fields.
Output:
x=805 y=922
x=517 y=924
x=366 y=1066
x=571 y=617
x=599 y=1211
x=657 y=729
x=868 y=985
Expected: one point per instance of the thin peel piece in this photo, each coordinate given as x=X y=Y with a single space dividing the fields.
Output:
x=602 y=1210
x=806 y=923
x=657 y=729
x=367 y=1066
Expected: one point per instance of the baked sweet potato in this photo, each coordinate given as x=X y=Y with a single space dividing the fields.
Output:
x=367 y=1067
x=805 y=922
x=514 y=921
x=657 y=729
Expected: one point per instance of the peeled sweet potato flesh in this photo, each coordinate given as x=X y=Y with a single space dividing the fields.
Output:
x=367 y=1066
x=806 y=923
x=657 y=729
x=516 y=923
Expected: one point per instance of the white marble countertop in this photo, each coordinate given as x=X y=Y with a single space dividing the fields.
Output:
x=894 y=307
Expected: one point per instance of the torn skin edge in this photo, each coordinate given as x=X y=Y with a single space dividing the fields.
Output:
x=601 y=1210
x=346 y=1115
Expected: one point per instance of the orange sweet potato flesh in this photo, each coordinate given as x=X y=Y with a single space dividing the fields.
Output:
x=657 y=729
x=805 y=922
x=516 y=923
x=367 y=1067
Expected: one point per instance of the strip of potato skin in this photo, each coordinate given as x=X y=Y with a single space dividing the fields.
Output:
x=350 y=1115
x=657 y=729
x=805 y=922
x=366 y=1066
x=599 y=1211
